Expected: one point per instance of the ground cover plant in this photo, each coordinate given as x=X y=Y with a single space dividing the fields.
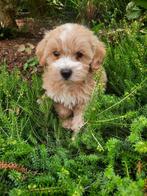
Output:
x=108 y=156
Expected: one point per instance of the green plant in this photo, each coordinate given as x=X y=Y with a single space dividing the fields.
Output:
x=141 y=3
x=88 y=11
x=134 y=9
x=128 y=65
x=108 y=156
x=31 y=63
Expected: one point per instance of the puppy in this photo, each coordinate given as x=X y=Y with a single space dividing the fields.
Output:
x=70 y=54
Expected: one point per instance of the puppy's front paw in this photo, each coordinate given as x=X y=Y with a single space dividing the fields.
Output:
x=77 y=124
x=67 y=123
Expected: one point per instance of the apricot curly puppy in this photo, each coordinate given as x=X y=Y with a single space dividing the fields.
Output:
x=70 y=54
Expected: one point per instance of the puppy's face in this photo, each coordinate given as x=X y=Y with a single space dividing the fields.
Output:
x=68 y=52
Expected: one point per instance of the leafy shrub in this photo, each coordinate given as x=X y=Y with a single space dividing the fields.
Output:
x=126 y=61
x=87 y=12
x=108 y=155
x=135 y=9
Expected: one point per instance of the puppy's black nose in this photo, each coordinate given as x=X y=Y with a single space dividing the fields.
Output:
x=66 y=73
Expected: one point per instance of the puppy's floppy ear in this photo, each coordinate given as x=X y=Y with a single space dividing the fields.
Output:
x=40 y=51
x=99 y=55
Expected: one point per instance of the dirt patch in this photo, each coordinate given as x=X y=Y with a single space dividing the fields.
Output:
x=11 y=53
x=16 y=52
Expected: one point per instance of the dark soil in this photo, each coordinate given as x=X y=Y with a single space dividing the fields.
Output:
x=9 y=51
x=15 y=52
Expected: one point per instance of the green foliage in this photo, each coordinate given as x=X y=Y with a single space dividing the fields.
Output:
x=31 y=63
x=105 y=157
x=135 y=8
x=126 y=63
x=83 y=11
x=132 y=11
x=87 y=12
x=141 y=3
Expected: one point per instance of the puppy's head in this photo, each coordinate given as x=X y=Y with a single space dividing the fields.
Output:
x=70 y=52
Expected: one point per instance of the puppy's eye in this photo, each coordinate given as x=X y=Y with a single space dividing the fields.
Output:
x=79 y=55
x=56 y=53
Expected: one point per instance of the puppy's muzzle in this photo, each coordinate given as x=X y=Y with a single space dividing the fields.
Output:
x=66 y=73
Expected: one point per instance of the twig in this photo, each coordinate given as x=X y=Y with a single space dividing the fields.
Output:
x=13 y=166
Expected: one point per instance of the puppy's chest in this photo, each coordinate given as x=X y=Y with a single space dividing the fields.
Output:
x=70 y=96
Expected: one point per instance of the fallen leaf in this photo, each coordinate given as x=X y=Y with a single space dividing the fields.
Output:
x=28 y=50
x=30 y=45
x=21 y=48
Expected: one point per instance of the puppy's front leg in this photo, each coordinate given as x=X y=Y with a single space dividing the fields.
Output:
x=78 y=119
x=62 y=111
x=65 y=115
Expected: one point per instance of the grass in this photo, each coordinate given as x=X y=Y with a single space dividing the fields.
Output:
x=108 y=155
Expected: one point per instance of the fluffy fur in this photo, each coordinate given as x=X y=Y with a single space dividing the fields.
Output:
x=70 y=47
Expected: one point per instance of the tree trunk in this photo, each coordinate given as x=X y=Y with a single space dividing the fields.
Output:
x=7 y=13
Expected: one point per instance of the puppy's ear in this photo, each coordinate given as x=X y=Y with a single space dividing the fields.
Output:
x=99 y=55
x=40 y=51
